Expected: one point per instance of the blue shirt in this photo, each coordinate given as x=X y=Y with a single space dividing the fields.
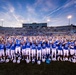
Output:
x=48 y=45
x=69 y=43
x=72 y=45
x=18 y=43
x=57 y=42
x=33 y=46
x=1 y=46
x=66 y=46
x=60 y=47
x=24 y=46
x=28 y=45
x=13 y=46
x=44 y=46
x=8 y=45
x=54 y=45
x=39 y=47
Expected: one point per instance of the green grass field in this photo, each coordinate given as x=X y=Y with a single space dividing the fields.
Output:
x=54 y=68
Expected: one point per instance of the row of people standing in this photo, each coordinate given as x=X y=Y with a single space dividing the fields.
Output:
x=37 y=48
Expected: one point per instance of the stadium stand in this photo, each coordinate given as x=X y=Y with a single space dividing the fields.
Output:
x=38 y=31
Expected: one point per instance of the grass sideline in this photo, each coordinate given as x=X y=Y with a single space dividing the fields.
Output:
x=54 y=68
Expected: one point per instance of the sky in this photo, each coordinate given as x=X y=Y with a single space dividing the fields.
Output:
x=15 y=12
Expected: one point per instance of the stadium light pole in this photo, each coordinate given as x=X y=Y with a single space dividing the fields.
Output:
x=69 y=18
x=2 y=20
x=48 y=21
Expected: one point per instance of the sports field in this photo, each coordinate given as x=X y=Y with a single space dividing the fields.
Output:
x=54 y=68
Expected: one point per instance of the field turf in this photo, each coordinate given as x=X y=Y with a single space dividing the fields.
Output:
x=54 y=68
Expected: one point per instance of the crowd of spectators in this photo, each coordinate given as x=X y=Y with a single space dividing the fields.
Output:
x=36 y=31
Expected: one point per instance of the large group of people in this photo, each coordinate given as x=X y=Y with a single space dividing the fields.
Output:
x=33 y=31
x=37 y=49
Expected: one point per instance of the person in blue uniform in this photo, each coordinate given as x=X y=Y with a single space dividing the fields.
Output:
x=43 y=51
x=72 y=48
x=18 y=46
x=39 y=48
x=43 y=48
x=60 y=51
x=33 y=49
x=28 y=49
x=23 y=50
x=48 y=48
x=8 y=45
x=2 y=54
x=65 y=51
x=12 y=48
x=54 y=51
